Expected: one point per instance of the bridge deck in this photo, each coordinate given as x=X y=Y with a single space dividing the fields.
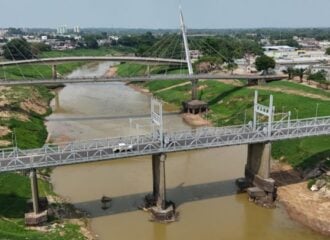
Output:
x=141 y=79
x=13 y=159
x=96 y=59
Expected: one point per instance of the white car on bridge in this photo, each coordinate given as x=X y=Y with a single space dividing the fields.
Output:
x=122 y=147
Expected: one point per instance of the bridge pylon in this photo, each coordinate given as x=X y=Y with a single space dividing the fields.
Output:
x=194 y=82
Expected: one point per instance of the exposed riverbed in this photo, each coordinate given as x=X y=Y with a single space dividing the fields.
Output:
x=200 y=182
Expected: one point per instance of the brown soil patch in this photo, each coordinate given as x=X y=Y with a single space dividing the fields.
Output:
x=140 y=89
x=202 y=87
x=9 y=115
x=171 y=87
x=112 y=72
x=232 y=82
x=34 y=106
x=294 y=92
x=4 y=131
x=3 y=100
x=195 y=120
x=4 y=143
x=308 y=208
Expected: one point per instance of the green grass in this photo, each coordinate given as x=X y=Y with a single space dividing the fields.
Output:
x=29 y=134
x=300 y=87
x=130 y=69
x=14 y=192
x=229 y=104
x=37 y=71
x=41 y=71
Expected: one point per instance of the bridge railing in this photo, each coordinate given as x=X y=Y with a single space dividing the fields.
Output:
x=101 y=149
x=78 y=146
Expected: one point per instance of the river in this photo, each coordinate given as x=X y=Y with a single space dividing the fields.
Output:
x=200 y=182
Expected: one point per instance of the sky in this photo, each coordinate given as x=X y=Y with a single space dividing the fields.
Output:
x=158 y=14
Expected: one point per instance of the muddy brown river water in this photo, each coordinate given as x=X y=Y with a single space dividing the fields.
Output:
x=200 y=182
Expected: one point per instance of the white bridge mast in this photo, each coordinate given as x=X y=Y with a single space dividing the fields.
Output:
x=188 y=58
x=185 y=41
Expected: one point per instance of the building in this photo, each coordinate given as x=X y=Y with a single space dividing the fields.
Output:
x=76 y=29
x=195 y=54
x=283 y=48
x=62 y=30
x=3 y=33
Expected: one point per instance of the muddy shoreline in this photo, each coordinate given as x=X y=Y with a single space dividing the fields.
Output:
x=302 y=205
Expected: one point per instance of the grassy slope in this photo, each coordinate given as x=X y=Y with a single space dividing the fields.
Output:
x=36 y=71
x=229 y=104
x=15 y=188
x=13 y=202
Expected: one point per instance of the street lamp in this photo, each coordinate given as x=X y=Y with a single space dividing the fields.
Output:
x=317 y=109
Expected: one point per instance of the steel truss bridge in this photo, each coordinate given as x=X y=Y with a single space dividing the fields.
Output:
x=142 y=79
x=52 y=155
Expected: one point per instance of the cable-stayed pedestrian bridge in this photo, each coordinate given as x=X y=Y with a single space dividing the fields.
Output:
x=56 y=60
x=142 y=79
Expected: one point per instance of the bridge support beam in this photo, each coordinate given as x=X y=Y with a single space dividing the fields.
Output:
x=34 y=191
x=257 y=174
x=194 y=91
x=159 y=180
x=36 y=217
x=161 y=210
x=54 y=72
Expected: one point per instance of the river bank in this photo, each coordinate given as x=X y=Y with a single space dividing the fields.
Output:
x=311 y=209
x=23 y=111
x=301 y=204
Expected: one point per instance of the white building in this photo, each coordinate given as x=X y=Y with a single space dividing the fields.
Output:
x=62 y=30
x=76 y=29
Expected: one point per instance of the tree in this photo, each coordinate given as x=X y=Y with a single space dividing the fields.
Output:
x=327 y=51
x=319 y=76
x=300 y=72
x=91 y=42
x=264 y=63
x=37 y=48
x=231 y=66
x=290 y=71
x=17 y=49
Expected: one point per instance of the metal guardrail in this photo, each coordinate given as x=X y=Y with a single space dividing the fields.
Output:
x=14 y=159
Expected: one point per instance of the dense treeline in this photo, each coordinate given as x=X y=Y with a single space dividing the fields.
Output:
x=225 y=48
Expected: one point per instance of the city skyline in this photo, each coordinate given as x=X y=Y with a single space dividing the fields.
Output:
x=151 y=14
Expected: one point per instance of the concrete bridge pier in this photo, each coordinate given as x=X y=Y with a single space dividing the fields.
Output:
x=194 y=91
x=257 y=174
x=57 y=101
x=36 y=217
x=162 y=210
x=34 y=190
x=54 y=72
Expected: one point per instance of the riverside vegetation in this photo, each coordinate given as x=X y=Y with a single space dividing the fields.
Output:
x=22 y=114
